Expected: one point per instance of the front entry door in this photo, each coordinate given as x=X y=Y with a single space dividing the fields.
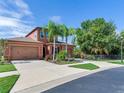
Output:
x=44 y=52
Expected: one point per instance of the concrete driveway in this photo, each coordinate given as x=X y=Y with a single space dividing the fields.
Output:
x=33 y=73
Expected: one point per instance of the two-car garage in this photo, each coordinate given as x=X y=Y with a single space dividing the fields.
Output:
x=23 y=50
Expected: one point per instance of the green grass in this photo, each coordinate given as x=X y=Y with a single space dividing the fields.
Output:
x=65 y=62
x=7 y=67
x=7 y=83
x=118 y=62
x=88 y=66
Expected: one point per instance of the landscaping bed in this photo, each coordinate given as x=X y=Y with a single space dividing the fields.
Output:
x=7 y=67
x=6 y=83
x=88 y=66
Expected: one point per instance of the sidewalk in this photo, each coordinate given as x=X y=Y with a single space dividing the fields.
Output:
x=10 y=73
x=101 y=64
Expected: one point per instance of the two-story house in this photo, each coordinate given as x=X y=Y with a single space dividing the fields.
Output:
x=35 y=45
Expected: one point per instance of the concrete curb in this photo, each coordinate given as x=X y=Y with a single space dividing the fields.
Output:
x=10 y=73
x=51 y=84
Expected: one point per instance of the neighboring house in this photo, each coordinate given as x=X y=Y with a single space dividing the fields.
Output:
x=34 y=45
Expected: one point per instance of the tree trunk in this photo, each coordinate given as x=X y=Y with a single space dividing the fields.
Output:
x=66 y=44
x=54 y=48
x=67 y=47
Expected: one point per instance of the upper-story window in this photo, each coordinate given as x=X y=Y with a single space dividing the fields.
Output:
x=41 y=34
x=46 y=34
x=35 y=35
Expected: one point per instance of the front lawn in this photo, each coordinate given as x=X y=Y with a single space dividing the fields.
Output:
x=7 y=83
x=65 y=62
x=118 y=62
x=88 y=66
x=7 y=67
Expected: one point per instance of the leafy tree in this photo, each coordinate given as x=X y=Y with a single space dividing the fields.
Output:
x=122 y=34
x=121 y=38
x=96 y=36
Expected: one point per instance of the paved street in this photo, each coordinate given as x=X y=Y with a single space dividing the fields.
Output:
x=109 y=81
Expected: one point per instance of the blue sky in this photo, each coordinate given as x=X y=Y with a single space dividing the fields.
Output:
x=18 y=17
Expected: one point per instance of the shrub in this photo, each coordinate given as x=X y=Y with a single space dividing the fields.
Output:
x=2 y=60
x=90 y=57
x=61 y=55
x=77 y=53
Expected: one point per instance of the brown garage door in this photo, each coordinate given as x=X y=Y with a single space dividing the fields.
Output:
x=22 y=52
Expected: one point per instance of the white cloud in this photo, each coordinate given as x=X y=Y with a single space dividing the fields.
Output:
x=5 y=12
x=24 y=8
x=6 y=21
x=12 y=22
x=56 y=19
x=1 y=33
x=15 y=31
x=19 y=32
x=14 y=8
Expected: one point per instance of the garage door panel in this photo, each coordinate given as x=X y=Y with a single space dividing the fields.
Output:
x=22 y=52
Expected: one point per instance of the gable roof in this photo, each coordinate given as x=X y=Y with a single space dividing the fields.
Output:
x=37 y=28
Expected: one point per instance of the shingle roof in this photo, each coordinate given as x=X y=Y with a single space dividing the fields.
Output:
x=24 y=39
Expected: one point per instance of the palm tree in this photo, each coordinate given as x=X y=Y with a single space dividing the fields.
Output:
x=65 y=34
x=53 y=33
x=72 y=32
